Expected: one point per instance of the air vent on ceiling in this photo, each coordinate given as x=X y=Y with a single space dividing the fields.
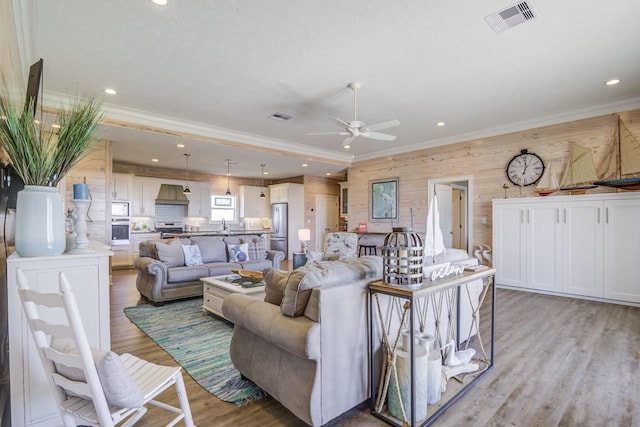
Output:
x=281 y=117
x=510 y=16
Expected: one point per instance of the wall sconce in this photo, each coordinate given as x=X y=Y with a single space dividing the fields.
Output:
x=304 y=235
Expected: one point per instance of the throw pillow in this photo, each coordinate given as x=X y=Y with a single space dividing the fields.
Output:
x=257 y=248
x=192 y=255
x=275 y=283
x=238 y=252
x=119 y=388
x=313 y=257
x=171 y=253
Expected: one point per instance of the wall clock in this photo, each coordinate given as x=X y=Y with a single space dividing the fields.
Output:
x=525 y=168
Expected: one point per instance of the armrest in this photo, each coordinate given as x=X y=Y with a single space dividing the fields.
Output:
x=299 y=336
x=151 y=266
x=152 y=276
x=275 y=257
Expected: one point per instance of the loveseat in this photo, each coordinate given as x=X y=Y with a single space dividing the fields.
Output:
x=171 y=269
x=306 y=344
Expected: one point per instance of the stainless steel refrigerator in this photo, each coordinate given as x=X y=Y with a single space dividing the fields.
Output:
x=279 y=227
x=10 y=184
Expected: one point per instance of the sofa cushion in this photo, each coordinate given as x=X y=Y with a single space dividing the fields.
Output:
x=326 y=273
x=238 y=253
x=275 y=283
x=212 y=248
x=192 y=255
x=221 y=268
x=171 y=253
x=256 y=265
x=257 y=248
x=186 y=274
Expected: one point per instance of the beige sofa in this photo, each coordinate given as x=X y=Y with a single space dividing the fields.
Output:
x=164 y=273
x=310 y=352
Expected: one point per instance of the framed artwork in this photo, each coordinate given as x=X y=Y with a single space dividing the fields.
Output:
x=383 y=205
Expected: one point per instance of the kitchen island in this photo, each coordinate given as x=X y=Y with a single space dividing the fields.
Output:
x=225 y=233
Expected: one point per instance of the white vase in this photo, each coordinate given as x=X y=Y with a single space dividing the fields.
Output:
x=434 y=376
x=403 y=367
x=39 y=222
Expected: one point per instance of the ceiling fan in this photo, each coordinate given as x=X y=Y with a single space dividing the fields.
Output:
x=356 y=128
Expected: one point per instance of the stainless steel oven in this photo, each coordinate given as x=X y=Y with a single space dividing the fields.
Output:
x=120 y=229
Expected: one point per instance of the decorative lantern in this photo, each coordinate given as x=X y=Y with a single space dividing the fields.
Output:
x=402 y=257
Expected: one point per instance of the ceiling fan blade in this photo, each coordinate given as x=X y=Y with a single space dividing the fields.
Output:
x=341 y=122
x=348 y=140
x=329 y=133
x=383 y=125
x=378 y=135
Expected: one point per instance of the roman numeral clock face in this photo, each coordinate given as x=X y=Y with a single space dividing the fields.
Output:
x=525 y=169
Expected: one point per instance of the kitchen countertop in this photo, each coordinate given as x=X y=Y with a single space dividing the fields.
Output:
x=216 y=233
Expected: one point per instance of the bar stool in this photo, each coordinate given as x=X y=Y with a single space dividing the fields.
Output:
x=368 y=250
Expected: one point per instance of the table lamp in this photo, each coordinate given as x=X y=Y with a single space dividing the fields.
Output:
x=304 y=235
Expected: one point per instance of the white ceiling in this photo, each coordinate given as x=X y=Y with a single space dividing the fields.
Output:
x=216 y=69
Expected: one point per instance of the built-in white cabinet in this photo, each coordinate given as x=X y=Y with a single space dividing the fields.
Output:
x=251 y=204
x=32 y=402
x=279 y=193
x=137 y=238
x=121 y=187
x=199 y=200
x=143 y=196
x=586 y=245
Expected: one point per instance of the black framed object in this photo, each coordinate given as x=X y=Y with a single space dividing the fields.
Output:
x=525 y=168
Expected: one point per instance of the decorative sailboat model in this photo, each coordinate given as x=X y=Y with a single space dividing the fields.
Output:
x=580 y=173
x=620 y=166
x=548 y=182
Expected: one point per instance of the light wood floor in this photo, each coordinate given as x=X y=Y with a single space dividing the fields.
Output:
x=558 y=362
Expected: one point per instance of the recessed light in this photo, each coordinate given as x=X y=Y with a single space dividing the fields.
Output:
x=440 y=124
x=304 y=165
x=612 y=82
x=155 y=160
x=265 y=173
x=160 y=2
x=328 y=174
x=180 y=145
x=346 y=146
x=110 y=91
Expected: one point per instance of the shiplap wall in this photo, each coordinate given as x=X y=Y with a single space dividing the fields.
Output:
x=485 y=160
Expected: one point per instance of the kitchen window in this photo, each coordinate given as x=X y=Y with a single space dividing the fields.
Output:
x=223 y=208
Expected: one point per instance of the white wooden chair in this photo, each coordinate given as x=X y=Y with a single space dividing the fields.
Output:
x=92 y=387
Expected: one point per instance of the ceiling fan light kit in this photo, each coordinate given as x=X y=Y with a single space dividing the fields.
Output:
x=356 y=128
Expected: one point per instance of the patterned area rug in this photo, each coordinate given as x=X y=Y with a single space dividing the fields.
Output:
x=199 y=342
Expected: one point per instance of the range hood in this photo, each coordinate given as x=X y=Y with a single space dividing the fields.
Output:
x=170 y=194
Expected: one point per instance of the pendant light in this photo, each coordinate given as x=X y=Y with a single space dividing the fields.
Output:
x=186 y=190
x=262 y=195
x=228 y=192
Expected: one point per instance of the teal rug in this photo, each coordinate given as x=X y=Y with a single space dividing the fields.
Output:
x=199 y=342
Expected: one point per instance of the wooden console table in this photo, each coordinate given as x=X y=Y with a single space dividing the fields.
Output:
x=405 y=307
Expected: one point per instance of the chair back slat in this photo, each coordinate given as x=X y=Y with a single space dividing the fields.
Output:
x=51 y=329
x=77 y=388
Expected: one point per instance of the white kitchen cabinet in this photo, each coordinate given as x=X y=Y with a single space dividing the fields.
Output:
x=279 y=193
x=122 y=255
x=143 y=196
x=32 y=402
x=528 y=245
x=585 y=246
x=121 y=187
x=251 y=204
x=199 y=200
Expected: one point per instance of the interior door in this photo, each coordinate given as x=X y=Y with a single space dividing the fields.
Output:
x=445 y=205
x=326 y=218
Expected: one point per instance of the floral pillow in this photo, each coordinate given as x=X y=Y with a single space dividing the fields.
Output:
x=192 y=255
x=238 y=252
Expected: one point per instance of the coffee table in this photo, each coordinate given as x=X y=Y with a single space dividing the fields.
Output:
x=216 y=289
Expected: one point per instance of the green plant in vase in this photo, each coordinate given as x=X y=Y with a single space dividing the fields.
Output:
x=42 y=157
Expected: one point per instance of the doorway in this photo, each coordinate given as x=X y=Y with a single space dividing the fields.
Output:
x=326 y=218
x=456 y=210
